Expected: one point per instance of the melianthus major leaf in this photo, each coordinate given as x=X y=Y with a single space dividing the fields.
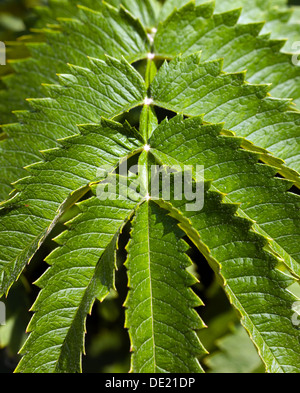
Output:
x=191 y=29
x=249 y=272
x=83 y=270
x=110 y=32
x=237 y=175
x=188 y=86
x=221 y=236
x=160 y=314
x=146 y=11
x=91 y=30
x=82 y=98
x=110 y=87
x=275 y=14
x=56 y=184
x=189 y=138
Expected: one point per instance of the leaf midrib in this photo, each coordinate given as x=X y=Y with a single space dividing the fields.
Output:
x=151 y=289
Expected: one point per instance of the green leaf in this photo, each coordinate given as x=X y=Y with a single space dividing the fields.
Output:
x=296 y=15
x=192 y=29
x=160 y=314
x=55 y=184
x=190 y=142
x=236 y=355
x=105 y=31
x=84 y=27
x=81 y=98
x=247 y=222
x=193 y=88
x=170 y=5
x=82 y=269
x=146 y=11
x=253 y=284
x=275 y=14
x=94 y=33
